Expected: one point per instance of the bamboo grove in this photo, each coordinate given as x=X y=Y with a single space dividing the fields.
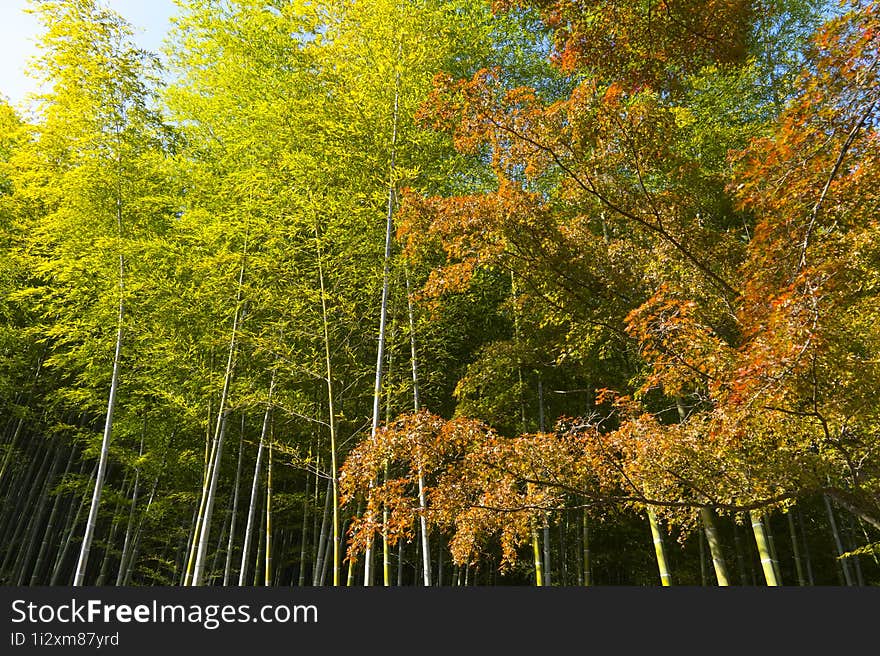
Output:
x=444 y=292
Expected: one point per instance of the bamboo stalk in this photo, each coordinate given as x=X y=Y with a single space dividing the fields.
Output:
x=536 y=552
x=59 y=562
x=796 y=550
x=249 y=524
x=844 y=566
x=227 y=566
x=718 y=561
x=129 y=528
x=763 y=548
x=268 y=572
x=37 y=517
x=659 y=550
x=588 y=579
x=48 y=533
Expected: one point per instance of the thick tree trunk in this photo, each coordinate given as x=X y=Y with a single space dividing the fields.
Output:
x=659 y=549
x=536 y=552
x=772 y=544
x=718 y=561
x=763 y=548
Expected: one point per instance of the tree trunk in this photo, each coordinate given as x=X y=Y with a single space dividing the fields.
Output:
x=268 y=569
x=659 y=550
x=203 y=534
x=536 y=552
x=129 y=528
x=423 y=521
x=92 y=519
x=31 y=536
x=249 y=524
x=259 y=566
x=19 y=520
x=772 y=544
x=136 y=541
x=108 y=549
x=331 y=409
x=763 y=548
x=383 y=316
x=588 y=578
x=214 y=570
x=62 y=554
x=305 y=524
x=322 y=540
x=841 y=562
x=48 y=533
x=718 y=561
x=547 y=579
x=205 y=516
x=795 y=550
x=227 y=567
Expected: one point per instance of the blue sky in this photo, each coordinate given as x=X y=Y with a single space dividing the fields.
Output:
x=18 y=30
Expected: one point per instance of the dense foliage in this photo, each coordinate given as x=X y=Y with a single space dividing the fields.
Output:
x=444 y=292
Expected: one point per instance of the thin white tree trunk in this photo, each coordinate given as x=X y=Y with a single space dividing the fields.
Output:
x=383 y=317
x=423 y=521
x=249 y=525
x=331 y=412
x=92 y=519
x=205 y=524
x=62 y=554
x=268 y=571
x=136 y=541
x=320 y=551
x=205 y=516
x=126 y=543
x=227 y=569
x=301 y=580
